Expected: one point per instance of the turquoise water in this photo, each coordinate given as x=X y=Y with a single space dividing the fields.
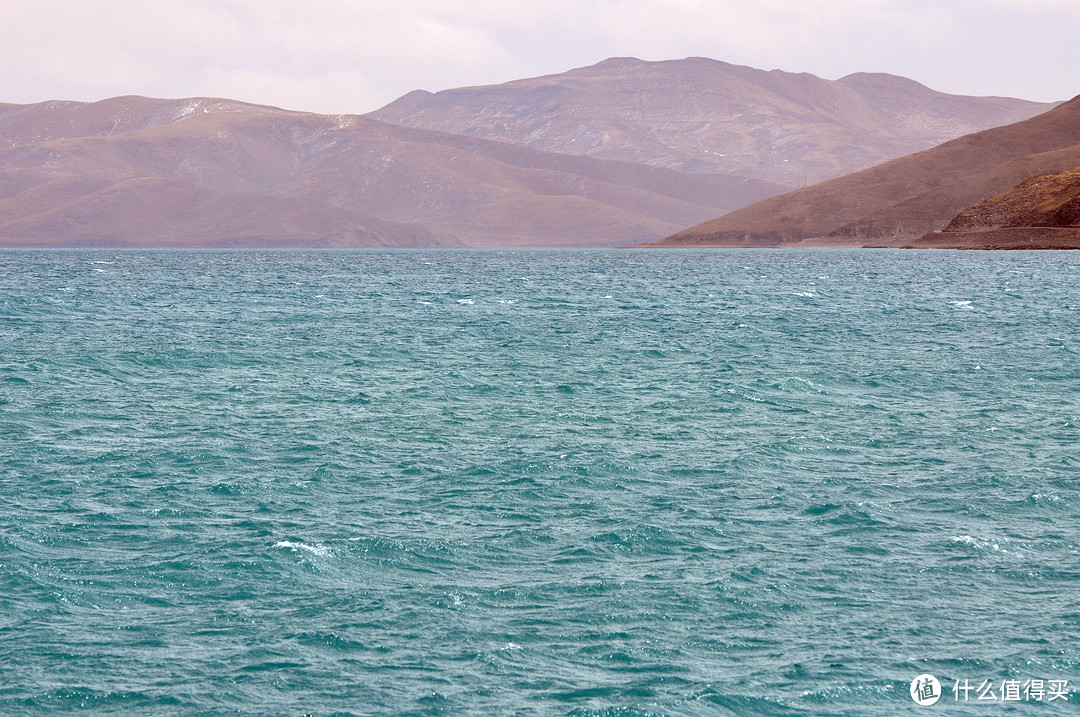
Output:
x=537 y=483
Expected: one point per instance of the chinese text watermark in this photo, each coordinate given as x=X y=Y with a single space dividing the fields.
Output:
x=927 y=690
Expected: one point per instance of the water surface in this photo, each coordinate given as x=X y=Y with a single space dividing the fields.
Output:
x=536 y=483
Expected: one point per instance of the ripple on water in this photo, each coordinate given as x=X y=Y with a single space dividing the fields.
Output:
x=551 y=483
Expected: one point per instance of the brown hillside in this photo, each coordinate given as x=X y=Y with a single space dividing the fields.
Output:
x=1042 y=212
x=1047 y=200
x=896 y=202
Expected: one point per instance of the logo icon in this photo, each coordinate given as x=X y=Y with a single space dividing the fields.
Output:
x=925 y=690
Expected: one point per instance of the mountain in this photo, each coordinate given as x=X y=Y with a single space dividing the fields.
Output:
x=134 y=171
x=1042 y=212
x=705 y=116
x=616 y=154
x=897 y=202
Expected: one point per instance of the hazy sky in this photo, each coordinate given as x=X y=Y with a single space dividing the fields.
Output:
x=344 y=56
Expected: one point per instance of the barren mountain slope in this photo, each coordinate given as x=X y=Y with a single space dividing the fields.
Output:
x=213 y=172
x=1046 y=200
x=1042 y=212
x=701 y=115
x=903 y=199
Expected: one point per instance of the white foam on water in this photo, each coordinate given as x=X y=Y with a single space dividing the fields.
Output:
x=316 y=549
x=466 y=301
x=981 y=544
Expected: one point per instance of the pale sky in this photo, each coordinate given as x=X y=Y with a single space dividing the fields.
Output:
x=342 y=56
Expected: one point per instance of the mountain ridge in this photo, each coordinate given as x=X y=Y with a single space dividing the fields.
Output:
x=708 y=116
x=210 y=171
x=365 y=182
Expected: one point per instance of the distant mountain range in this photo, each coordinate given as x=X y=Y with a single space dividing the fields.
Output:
x=133 y=171
x=705 y=116
x=616 y=154
x=898 y=202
